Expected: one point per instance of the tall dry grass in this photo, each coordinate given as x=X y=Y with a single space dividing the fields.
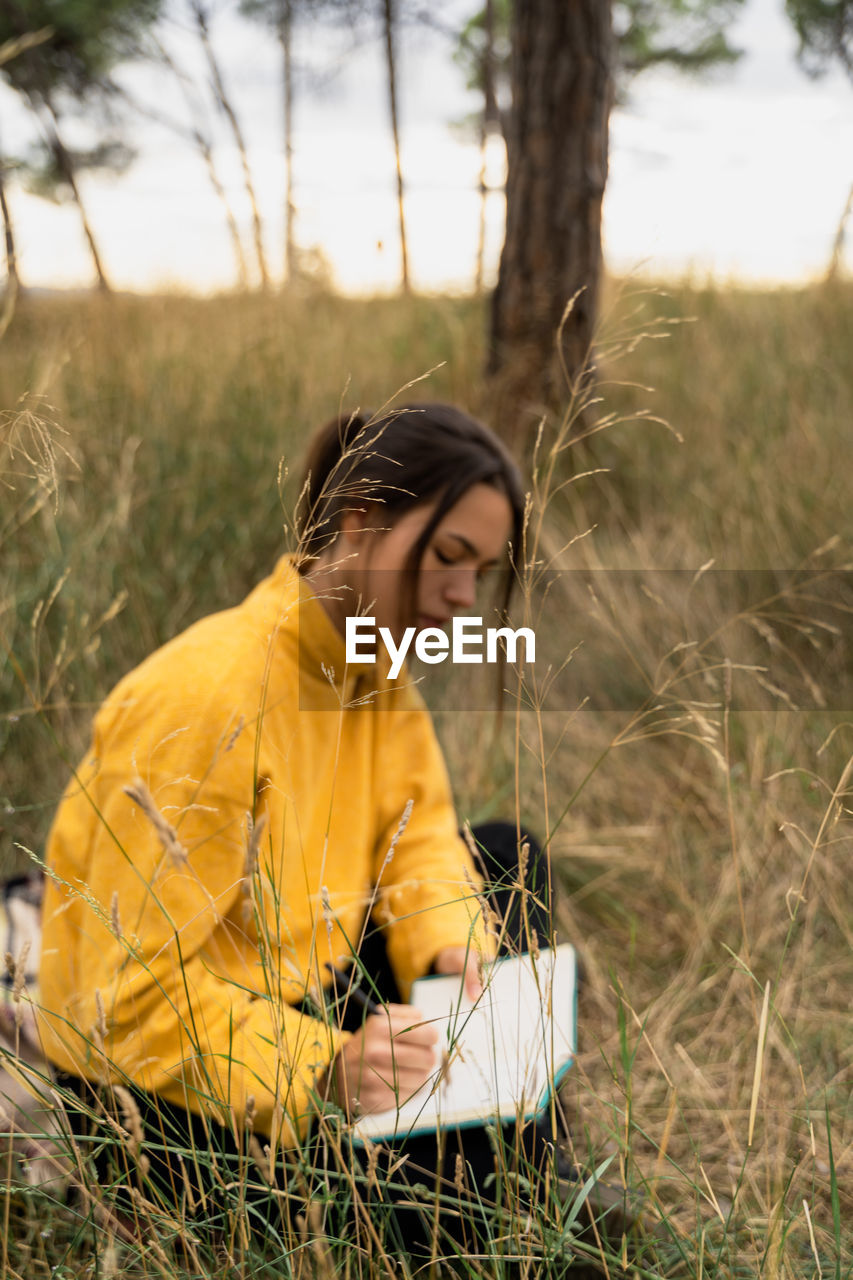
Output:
x=696 y=807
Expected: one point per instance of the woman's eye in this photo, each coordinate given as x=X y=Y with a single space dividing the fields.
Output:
x=444 y=559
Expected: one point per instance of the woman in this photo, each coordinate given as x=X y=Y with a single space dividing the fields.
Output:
x=254 y=809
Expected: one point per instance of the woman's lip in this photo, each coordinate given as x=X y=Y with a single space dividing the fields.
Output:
x=426 y=621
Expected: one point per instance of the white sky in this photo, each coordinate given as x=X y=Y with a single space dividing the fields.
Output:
x=743 y=175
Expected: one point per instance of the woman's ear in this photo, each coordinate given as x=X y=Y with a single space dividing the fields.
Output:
x=359 y=519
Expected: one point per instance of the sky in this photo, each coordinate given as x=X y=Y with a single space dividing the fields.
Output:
x=742 y=175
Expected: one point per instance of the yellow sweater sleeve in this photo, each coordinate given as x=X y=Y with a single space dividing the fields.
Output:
x=427 y=886
x=152 y=952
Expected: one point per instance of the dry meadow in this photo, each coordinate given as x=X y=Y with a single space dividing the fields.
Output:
x=685 y=748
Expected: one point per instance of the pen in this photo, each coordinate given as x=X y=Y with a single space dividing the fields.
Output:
x=342 y=979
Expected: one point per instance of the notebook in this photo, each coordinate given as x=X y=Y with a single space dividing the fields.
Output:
x=500 y=1058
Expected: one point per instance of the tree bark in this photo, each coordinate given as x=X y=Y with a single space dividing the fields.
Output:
x=206 y=153
x=8 y=233
x=389 y=21
x=7 y=308
x=557 y=170
x=202 y=142
x=13 y=281
x=483 y=189
x=285 y=32
x=40 y=100
x=66 y=166
x=225 y=103
x=834 y=268
x=490 y=120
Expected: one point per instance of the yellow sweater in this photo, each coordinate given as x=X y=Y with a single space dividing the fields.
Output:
x=172 y=964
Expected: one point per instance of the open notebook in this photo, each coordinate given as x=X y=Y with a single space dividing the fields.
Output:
x=499 y=1058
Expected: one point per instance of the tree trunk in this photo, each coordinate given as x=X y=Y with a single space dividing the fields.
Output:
x=212 y=173
x=7 y=309
x=557 y=170
x=490 y=121
x=65 y=164
x=225 y=104
x=388 y=11
x=834 y=268
x=285 y=31
x=484 y=195
x=8 y=233
x=199 y=137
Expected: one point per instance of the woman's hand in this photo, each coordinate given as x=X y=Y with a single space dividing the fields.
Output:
x=464 y=960
x=385 y=1062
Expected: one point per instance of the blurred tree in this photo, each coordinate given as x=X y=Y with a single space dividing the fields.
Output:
x=390 y=19
x=8 y=50
x=391 y=14
x=46 y=173
x=197 y=134
x=482 y=50
x=565 y=63
x=201 y=15
x=279 y=14
x=12 y=278
x=282 y=16
x=557 y=143
x=690 y=35
x=87 y=38
x=825 y=31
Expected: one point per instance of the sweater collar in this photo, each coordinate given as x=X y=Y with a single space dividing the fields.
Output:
x=321 y=647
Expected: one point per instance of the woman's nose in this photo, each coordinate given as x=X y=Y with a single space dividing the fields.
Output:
x=461 y=588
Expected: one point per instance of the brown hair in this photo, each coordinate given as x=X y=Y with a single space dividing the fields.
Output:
x=404 y=458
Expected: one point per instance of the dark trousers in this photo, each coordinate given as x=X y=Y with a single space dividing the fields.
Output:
x=524 y=914
x=432 y=1187
x=470 y=1167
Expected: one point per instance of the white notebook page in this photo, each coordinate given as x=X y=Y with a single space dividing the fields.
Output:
x=498 y=1057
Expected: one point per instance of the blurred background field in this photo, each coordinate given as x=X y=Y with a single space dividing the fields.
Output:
x=701 y=845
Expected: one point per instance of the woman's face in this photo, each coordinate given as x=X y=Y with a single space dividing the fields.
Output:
x=468 y=541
